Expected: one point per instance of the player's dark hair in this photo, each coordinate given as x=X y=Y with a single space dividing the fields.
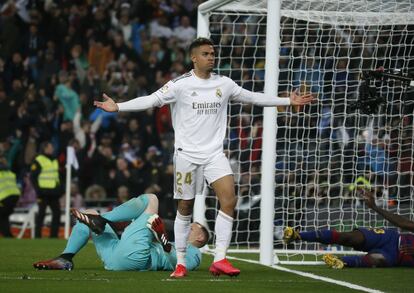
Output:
x=205 y=231
x=198 y=43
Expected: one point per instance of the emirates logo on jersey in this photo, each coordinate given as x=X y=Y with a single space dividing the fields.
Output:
x=218 y=93
x=206 y=108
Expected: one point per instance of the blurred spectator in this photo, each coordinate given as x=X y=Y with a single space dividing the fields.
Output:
x=154 y=171
x=99 y=56
x=33 y=44
x=184 y=33
x=76 y=199
x=126 y=176
x=105 y=117
x=122 y=195
x=67 y=96
x=16 y=74
x=10 y=31
x=45 y=178
x=123 y=22
x=84 y=129
x=95 y=193
x=9 y=195
x=104 y=165
x=80 y=62
x=48 y=68
x=159 y=28
x=6 y=107
x=28 y=197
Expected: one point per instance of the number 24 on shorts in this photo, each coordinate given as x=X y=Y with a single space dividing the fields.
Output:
x=187 y=178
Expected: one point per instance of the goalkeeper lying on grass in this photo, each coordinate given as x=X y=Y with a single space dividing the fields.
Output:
x=384 y=247
x=142 y=246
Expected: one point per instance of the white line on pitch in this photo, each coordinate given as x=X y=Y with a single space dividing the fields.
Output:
x=313 y=276
x=51 y=279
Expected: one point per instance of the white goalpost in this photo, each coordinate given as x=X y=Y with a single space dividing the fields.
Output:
x=299 y=167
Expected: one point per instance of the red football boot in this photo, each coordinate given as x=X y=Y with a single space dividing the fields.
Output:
x=180 y=272
x=223 y=267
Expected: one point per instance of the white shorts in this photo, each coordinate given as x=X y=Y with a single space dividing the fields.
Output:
x=189 y=177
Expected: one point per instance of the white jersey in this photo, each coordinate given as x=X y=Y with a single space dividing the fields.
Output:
x=199 y=113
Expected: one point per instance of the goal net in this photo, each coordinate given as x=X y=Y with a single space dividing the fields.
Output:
x=323 y=151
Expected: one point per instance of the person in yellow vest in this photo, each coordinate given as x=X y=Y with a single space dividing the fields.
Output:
x=45 y=178
x=9 y=195
x=360 y=183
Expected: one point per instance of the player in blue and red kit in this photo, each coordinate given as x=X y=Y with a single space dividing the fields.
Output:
x=384 y=247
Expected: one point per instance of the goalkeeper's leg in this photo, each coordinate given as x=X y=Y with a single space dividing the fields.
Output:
x=133 y=208
x=77 y=240
x=136 y=238
x=128 y=211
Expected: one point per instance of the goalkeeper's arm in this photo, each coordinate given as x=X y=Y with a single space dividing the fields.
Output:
x=156 y=225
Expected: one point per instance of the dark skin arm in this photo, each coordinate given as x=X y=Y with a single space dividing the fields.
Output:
x=395 y=219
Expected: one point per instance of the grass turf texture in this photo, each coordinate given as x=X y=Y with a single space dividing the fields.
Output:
x=18 y=275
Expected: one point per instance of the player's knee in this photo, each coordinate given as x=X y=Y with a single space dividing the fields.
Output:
x=82 y=229
x=152 y=207
x=91 y=212
x=152 y=198
x=227 y=205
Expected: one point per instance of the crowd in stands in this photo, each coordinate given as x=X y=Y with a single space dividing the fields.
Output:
x=57 y=57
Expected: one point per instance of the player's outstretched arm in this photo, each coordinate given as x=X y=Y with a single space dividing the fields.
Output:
x=395 y=219
x=298 y=100
x=266 y=100
x=107 y=105
x=137 y=104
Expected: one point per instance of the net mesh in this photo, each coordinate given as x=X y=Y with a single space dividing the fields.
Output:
x=323 y=149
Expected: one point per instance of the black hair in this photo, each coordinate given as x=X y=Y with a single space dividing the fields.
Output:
x=198 y=43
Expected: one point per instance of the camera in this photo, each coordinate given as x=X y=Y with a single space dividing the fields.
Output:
x=368 y=99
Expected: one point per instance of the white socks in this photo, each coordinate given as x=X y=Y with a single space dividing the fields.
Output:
x=182 y=227
x=223 y=230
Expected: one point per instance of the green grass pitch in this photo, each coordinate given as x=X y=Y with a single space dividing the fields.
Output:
x=18 y=275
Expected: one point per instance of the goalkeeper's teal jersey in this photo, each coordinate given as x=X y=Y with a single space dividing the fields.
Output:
x=162 y=261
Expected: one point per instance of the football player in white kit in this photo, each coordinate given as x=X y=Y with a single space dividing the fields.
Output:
x=198 y=101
